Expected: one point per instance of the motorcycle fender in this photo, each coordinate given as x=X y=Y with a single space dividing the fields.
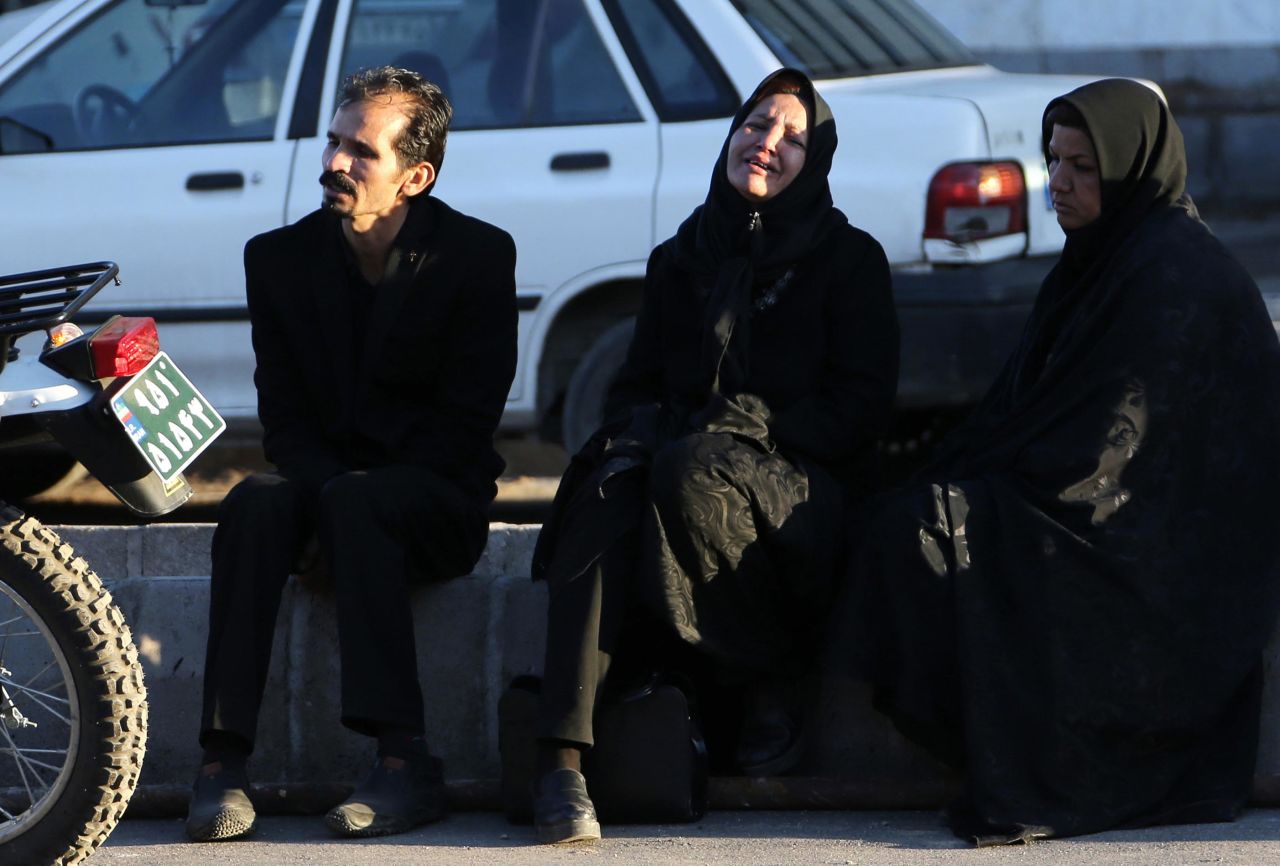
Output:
x=93 y=436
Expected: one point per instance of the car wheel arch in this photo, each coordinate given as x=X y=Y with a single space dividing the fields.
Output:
x=570 y=331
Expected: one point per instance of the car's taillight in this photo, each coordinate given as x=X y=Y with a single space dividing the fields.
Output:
x=124 y=346
x=969 y=201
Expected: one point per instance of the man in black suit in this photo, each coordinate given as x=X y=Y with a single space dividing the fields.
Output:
x=384 y=326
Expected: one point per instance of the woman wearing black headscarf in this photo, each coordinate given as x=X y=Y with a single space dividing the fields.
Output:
x=1073 y=609
x=708 y=506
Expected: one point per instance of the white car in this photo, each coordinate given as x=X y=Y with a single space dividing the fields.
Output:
x=164 y=133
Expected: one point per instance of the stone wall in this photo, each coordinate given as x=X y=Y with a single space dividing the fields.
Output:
x=474 y=634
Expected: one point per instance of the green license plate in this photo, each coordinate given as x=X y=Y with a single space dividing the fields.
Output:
x=168 y=420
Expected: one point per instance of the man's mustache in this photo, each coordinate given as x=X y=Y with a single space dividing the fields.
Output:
x=336 y=180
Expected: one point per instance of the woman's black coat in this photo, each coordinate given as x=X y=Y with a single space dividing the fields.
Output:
x=761 y=373
x=823 y=355
x=1074 y=610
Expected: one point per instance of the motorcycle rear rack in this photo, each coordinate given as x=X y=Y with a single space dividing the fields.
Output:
x=38 y=300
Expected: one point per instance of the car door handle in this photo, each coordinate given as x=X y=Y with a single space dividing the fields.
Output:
x=215 y=180
x=580 y=161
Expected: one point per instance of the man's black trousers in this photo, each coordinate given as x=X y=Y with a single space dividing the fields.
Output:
x=380 y=531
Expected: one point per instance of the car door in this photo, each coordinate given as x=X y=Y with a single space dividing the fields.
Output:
x=152 y=133
x=551 y=138
x=691 y=92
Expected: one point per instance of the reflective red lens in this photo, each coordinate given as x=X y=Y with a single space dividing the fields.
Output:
x=124 y=346
x=974 y=200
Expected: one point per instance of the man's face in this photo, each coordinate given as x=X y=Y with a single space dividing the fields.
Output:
x=362 y=176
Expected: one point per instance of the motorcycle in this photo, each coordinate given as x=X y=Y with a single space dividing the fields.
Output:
x=73 y=704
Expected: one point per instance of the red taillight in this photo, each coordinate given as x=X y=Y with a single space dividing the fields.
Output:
x=123 y=346
x=969 y=201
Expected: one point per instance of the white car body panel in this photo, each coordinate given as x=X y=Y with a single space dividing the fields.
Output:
x=1012 y=131
x=574 y=230
x=881 y=188
x=185 y=254
x=688 y=151
x=504 y=176
x=185 y=244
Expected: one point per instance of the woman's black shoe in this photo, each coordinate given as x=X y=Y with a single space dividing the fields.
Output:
x=393 y=800
x=562 y=810
x=771 y=742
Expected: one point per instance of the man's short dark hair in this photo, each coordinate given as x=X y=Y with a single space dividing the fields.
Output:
x=423 y=138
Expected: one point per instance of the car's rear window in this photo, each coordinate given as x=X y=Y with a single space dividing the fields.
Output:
x=844 y=38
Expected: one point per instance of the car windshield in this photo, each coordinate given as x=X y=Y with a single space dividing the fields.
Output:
x=845 y=38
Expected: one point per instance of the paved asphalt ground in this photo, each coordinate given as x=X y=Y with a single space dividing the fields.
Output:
x=721 y=839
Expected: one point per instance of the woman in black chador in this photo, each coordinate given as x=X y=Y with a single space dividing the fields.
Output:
x=761 y=372
x=1073 y=611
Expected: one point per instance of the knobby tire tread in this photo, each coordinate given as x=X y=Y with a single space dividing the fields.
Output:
x=107 y=677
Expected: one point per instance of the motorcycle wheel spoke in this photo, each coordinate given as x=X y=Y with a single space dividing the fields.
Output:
x=30 y=683
x=38 y=698
x=52 y=665
x=54 y=691
x=32 y=762
x=38 y=753
x=41 y=786
x=18 y=760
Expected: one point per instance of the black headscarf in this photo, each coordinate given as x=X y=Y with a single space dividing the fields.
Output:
x=732 y=243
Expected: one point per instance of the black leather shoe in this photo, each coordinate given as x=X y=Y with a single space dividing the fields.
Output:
x=393 y=800
x=220 y=809
x=562 y=811
x=771 y=741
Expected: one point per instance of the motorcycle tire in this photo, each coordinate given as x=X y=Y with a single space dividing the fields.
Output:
x=73 y=708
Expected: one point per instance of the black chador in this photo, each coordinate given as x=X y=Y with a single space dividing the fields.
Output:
x=1072 y=607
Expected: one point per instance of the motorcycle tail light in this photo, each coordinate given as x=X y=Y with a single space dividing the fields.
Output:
x=123 y=346
x=969 y=201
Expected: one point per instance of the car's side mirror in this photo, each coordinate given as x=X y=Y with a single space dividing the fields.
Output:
x=18 y=137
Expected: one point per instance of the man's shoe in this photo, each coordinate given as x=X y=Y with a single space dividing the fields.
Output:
x=220 y=808
x=393 y=800
x=562 y=810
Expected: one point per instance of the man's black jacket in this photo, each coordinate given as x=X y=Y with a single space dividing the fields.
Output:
x=428 y=378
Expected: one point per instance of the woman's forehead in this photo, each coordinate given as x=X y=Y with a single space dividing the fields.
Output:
x=1069 y=140
x=787 y=105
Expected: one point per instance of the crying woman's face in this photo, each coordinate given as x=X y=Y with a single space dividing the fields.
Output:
x=767 y=152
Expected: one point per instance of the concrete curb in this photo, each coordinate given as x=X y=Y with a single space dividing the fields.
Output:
x=491 y=623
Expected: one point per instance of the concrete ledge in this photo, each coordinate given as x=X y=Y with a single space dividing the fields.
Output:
x=474 y=635
x=490 y=622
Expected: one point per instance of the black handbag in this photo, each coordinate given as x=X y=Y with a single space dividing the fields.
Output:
x=648 y=765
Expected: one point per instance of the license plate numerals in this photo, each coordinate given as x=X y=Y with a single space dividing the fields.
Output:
x=166 y=417
x=179 y=442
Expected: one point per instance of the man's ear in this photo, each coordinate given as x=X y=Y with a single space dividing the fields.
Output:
x=420 y=177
